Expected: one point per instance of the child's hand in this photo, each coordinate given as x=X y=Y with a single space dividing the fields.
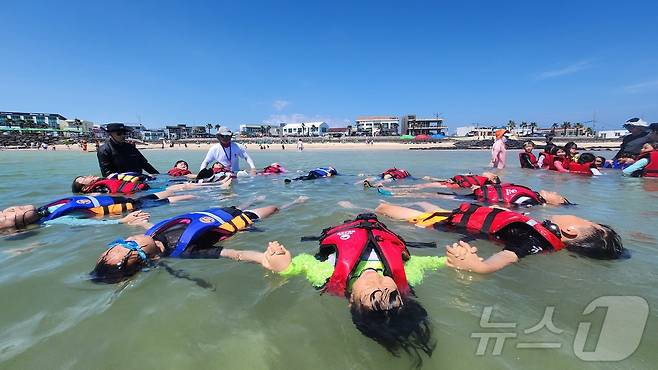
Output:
x=136 y=218
x=462 y=256
x=277 y=258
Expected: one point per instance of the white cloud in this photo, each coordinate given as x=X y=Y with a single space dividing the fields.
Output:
x=642 y=86
x=572 y=68
x=275 y=119
x=280 y=104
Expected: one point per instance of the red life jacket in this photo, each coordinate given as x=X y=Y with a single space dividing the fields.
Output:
x=505 y=193
x=178 y=172
x=486 y=220
x=220 y=169
x=531 y=157
x=396 y=173
x=273 y=169
x=651 y=169
x=583 y=169
x=548 y=161
x=564 y=160
x=466 y=181
x=349 y=241
x=115 y=186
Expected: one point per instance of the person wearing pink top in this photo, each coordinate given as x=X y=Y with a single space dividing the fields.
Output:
x=499 y=150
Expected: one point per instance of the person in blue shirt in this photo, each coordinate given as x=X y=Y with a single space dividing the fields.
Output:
x=635 y=170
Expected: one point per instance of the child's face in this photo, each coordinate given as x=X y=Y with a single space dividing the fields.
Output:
x=646 y=148
x=560 y=152
x=181 y=165
x=528 y=148
x=598 y=162
x=573 y=150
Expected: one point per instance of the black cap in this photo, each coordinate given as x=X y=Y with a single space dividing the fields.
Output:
x=114 y=127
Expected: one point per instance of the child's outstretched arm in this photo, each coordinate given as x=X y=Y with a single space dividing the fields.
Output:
x=276 y=258
x=462 y=256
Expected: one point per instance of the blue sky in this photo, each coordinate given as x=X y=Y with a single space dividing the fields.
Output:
x=162 y=62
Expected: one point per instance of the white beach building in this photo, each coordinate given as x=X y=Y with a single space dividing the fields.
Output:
x=305 y=129
x=611 y=134
x=378 y=125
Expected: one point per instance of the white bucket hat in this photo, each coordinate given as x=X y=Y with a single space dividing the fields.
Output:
x=636 y=122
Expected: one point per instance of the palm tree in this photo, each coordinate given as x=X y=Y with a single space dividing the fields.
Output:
x=533 y=126
x=77 y=124
x=566 y=125
x=579 y=126
x=303 y=128
x=589 y=131
x=523 y=125
x=313 y=128
x=209 y=127
x=554 y=126
x=511 y=125
x=217 y=127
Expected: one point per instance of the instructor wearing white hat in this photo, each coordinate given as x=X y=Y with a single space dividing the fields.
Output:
x=227 y=153
x=639 y=135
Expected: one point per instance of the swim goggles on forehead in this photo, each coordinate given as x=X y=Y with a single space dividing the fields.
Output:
x=553 y=228
x=132 y=246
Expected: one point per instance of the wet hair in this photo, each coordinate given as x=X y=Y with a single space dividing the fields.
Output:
x=406 y=328
x=568 y=146
x=654 y=144
x=77 y=187
x=105 y=272
x=549 y=147
x=553 y=149
x=181 y=161
x=601 y=158
x=586 y=158
x=626 y=155
x=528 y=143
x=602 y=243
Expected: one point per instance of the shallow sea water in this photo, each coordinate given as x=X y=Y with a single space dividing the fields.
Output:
x=54 y=318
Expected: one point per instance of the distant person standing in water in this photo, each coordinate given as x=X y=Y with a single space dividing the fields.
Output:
x=499 y=150
x=300 y=145
x=117 y=156
x=227 y=153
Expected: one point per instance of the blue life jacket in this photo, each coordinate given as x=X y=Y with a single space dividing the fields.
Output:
x=198 y=223
x=325 y=171
x=92 y=204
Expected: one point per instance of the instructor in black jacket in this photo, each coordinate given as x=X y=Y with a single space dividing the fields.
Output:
x=117 y=156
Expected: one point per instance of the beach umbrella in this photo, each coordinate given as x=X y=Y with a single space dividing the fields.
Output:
x=438 y=136
x=422 y=137
x=406 y=137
